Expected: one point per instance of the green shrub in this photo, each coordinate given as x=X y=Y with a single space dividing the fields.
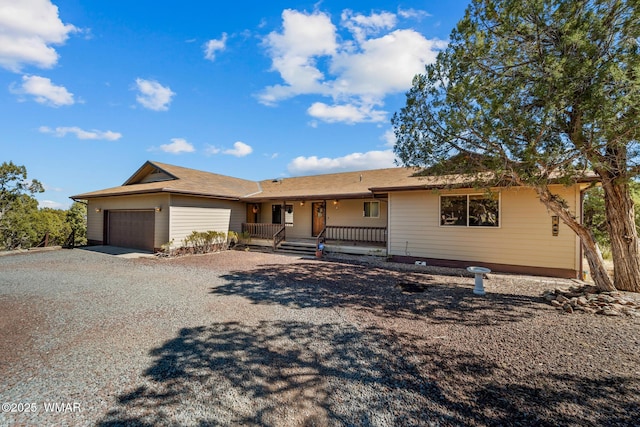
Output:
x=244 y=238
x=232 y=238
x=202 y=242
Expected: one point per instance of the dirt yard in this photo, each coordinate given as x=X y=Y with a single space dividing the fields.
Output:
x=244 y=338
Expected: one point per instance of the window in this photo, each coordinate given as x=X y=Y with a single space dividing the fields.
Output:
x=453 y=210
x=288 y=216
x=484 y=210
x=371 y=210
x=276 y=214
x=473 y=210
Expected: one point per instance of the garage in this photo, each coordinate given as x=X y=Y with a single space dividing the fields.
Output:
x=131 y=229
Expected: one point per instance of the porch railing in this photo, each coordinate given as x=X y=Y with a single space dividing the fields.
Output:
x=343 y=233
x=320 y=237
x=346 y=233
x=261 y=230
x=278 y=237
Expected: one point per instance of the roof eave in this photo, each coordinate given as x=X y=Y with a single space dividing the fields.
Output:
x=152 y=191
x=581 y=180
x=378 y=190
x=331 y=196
x=207 y=195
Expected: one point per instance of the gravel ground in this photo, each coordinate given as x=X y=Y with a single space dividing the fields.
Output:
x=246 y=338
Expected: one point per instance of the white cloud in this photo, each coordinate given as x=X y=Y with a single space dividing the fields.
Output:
x=304 y=37
x=389 y=138
x=47 y=187
x=384 y=65
x=351 y=162
x=240 y=149
x=43 y=91
x=213 y=46
x=177 y=146
x=312 y=59
x=211 y=150
x=413 y=13
x=362 y=26
x=347 y=113
x=28 y=29
x=82 y=134
x=52 y=204
x=153 y=95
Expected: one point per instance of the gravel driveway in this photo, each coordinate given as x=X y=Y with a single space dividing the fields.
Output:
x=245 y=338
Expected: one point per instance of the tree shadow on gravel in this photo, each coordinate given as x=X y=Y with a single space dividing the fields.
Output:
x=379 y=291
x=298 y=373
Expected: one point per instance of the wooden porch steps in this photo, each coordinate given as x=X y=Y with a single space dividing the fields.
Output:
x=300 y=248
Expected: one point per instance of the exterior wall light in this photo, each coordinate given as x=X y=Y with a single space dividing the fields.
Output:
x=158 y=208
x=98 y=210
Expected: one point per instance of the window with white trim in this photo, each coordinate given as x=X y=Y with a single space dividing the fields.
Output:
x=276 y=214
x=371 y=210
x=288 y=216
x=470 y=210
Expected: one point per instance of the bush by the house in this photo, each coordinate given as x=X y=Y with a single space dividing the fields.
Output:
x=202 y=242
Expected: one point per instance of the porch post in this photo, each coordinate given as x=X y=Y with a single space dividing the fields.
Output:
x=326 y=214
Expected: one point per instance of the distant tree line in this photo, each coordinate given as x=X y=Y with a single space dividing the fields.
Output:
x=24 y=225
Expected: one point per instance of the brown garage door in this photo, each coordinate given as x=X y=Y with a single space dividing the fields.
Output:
x=131 y=229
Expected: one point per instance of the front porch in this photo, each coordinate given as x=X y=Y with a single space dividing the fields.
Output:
x=355 y=240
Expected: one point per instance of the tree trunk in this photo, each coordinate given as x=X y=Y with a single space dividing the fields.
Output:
x=591 y=251
x=621 y=225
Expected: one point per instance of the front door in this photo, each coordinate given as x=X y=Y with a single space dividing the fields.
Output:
x=276 y=214
x=252 y=213
x=317 y=221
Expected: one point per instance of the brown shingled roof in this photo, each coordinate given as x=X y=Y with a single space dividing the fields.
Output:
x=421 y=182
x=330 y=186
x=360 y=184
x=187 y=181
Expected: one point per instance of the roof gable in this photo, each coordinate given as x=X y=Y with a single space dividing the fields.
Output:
x=149 y=172
x=156 y=177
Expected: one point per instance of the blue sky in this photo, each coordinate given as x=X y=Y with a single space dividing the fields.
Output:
x=91 y=89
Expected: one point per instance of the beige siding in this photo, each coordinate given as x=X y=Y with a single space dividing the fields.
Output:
x=351 y=213
x=345 y=212
x=234 y=214
x=95 y=220
x=301 y=227
x=524 y=237
x=301 y=214
x=185 y=220
x=238 y=209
